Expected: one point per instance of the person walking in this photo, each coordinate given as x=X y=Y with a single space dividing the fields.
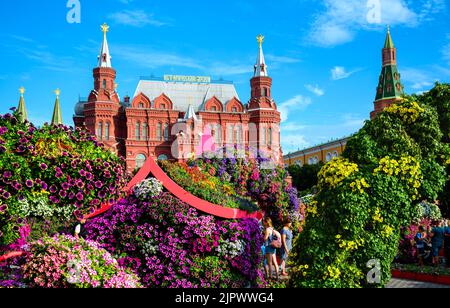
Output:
x=270 y=239
x=286 y=240
x=437 y=241
x=420 y=239
x=447 y=244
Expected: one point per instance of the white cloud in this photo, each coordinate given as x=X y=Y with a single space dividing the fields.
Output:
x=293 y=142
x=417 y=79
x=224 y=69
x=341 y=20
x=298 y=102
x=281 y=59
x=292 y=127
x=315 y=89
x=136 y=18
x=149 y=58
x=446 y=50
x=340 y=72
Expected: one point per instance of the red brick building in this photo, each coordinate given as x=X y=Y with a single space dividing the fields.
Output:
x=168 y=117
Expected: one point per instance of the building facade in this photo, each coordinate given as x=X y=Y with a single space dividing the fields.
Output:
x=169 y=117
x=389 y=91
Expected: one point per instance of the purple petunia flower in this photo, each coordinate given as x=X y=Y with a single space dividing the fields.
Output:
x=2 y=149
x=43 y=166
x=99 y=184
x=53 y=189
x=80 y=184
x=3 y=130
x=29 y=183
x=44 y=186
x=102 y=194
x=18 y=187
x=7 y=174
x=82 y=172
x=89 y=176
x=63 y=194
x=71 y=195
x=78 y=204
x=6 y=195
x=65 y=186
x=80 y=196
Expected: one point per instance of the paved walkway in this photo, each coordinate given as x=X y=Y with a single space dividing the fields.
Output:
x=404 y=284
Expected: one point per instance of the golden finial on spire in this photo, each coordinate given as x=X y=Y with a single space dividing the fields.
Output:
x=22 y=91
x=116 y=85
x=58 y=92
x=389 y=28
x=105 y=28
x=260 y=40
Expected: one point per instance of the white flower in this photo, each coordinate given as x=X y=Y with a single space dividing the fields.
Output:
x=147 y=189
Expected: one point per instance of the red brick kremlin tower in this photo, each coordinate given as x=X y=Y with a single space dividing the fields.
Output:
x=168 y=116
x=262 y=108
x=390 y=88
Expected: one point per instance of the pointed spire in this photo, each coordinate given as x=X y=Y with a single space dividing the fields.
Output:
x=22 y=109
x=260 y=66
x=104 y=58
x=190 y=114
x=389 y=44
x=57 y=116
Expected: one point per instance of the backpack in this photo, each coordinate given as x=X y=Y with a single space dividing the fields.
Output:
x=276 y=239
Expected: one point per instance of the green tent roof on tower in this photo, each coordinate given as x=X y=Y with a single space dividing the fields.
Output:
x=57 y=115
x=389 y=43
x=22 y=109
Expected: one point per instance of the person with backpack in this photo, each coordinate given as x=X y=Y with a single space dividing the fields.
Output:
x=437 y=240
x=272 y=239
x=286 y=239
x=420 y=240
x=447 y=244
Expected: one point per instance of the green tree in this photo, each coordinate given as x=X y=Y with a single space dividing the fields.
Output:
x=367 y=195
x=304 y=178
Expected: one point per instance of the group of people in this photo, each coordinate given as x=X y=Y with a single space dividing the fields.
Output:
x=430 y=241
x=274 y=240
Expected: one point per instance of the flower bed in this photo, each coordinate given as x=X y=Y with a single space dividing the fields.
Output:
x=64 y=261
x=424 y=274
x=169 y=244
x=240 y=183
x=51 y=176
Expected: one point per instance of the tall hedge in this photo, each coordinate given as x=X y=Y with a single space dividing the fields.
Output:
x=353 y=226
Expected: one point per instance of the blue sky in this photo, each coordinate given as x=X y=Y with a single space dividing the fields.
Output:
x=324 y=56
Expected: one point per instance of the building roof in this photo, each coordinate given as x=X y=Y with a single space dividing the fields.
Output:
x=317 y=147
x=389 y=44
x=184 y=94
x=21 y=108
x=260 y=66
x=104 y=57
x=57 y=115
x=190 y=114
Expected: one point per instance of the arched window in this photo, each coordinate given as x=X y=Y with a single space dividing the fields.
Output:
x=264 y=92
x=166 y=132
x=163 y=106
x=107 y=125
x=218 y=135
x=270 y=136
x=230 y=134
x=239 y=134
x=104 y=83
x=264 y=136
x=214 y=108
x=329 y=157
x=163 y=157
x=138 y=131
x=141 y=105
x=145 y=131
x=140 y=160
x=335 y=154
x=299 y=163
x=234 y=110
x=159 y=132
x=100 y=131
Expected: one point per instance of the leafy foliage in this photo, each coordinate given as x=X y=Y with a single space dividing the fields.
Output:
x=368 y=195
